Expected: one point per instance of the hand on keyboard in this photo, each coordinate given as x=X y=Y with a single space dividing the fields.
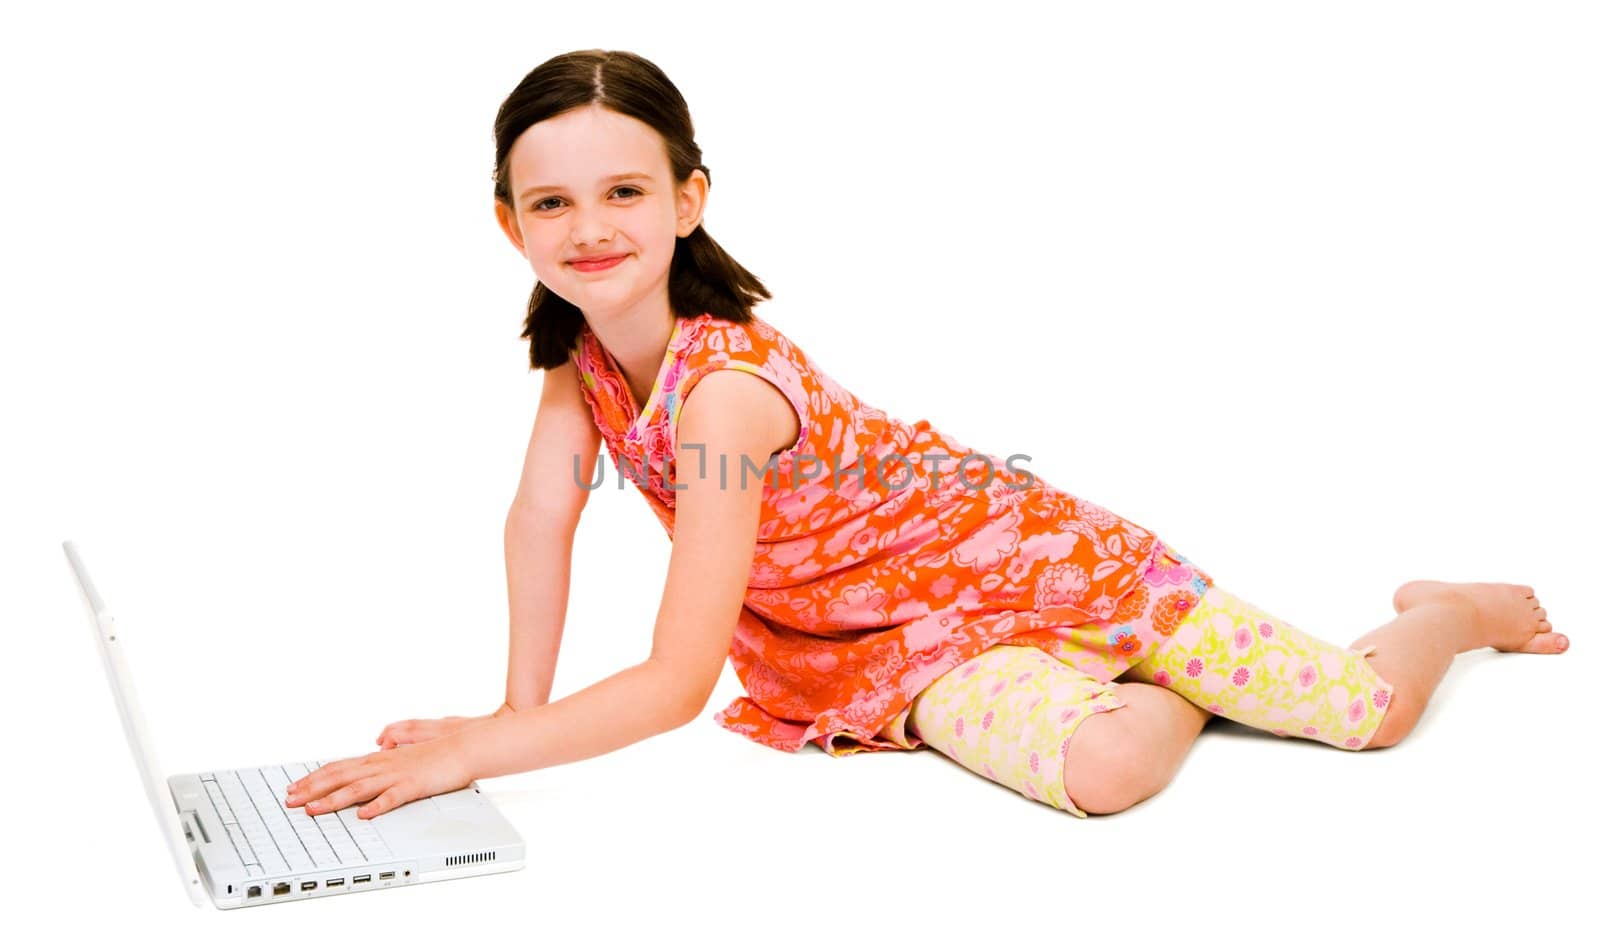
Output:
x=385 y=780
x=418 y=731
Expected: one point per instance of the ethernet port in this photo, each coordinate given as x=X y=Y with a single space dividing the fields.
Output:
x=280 y=889
x=253 y=892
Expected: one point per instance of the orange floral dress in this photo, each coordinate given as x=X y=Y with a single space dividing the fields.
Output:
x=887 y=553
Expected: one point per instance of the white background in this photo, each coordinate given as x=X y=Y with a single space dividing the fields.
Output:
x=1306 y=289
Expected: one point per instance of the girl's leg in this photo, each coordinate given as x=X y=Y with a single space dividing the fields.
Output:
x=1238 y=661
x=1439 y=619
x=1029 y=721
x=1120 y=760
x=1234 y=659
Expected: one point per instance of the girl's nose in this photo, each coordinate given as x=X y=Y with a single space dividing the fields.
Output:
x=589 y=232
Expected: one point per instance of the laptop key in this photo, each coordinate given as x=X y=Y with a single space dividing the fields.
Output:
x=247 y=854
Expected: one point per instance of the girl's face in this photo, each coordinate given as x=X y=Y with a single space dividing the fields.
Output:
x=594 y=183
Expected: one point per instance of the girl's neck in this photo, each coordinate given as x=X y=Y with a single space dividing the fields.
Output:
x=637 y=341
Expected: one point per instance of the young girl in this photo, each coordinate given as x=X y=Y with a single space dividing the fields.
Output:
x=876 y=584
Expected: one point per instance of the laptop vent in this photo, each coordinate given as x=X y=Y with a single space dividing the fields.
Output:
x=468 y=859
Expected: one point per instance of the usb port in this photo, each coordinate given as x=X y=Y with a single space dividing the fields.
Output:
x=308 y=885
x=386 y=875
x=363 y=878
x=337 y=881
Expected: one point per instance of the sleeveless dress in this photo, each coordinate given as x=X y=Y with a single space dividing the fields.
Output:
x=887 y=553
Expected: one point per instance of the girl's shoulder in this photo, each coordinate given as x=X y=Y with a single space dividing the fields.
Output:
x=754 y=347
x=711 y=338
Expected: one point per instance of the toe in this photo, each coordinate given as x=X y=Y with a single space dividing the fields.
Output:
x=1545 y=643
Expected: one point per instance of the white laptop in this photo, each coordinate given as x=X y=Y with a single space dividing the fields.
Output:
x=231 y=835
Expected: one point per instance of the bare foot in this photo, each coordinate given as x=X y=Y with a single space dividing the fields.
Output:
x=1509 y=617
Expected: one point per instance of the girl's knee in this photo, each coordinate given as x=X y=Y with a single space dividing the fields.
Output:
x=1111 y=765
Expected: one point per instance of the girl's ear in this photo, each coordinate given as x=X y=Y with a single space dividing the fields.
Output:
x=508 y=223
x=691 y=202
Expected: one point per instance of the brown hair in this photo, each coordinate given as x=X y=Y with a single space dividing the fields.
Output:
x=702 y=278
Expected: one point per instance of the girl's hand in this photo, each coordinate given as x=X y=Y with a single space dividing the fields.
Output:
x=385 y=780
x=421 y=731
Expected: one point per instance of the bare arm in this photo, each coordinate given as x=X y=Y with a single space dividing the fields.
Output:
x=539 y=531
x=732 y=414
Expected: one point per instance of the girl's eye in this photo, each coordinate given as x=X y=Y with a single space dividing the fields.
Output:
x=539 y=205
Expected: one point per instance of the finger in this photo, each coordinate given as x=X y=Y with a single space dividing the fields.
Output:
x=398 y=731
x=307 y=786
x=393 y=797
x=319 y=781
x=359 y=791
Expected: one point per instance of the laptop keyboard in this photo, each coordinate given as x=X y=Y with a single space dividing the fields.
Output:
x=272 y=838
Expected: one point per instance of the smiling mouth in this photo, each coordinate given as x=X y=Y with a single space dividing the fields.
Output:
x=591 y=266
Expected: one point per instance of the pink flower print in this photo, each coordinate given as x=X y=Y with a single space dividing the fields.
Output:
x=1194 y=667
x=1033 y=762
x=961 y=726
x=988 y=718
x=1035 y=702
x=1165 y=569
x=967 y=672
x=1356 y=711
x=1162 y=678
x=864 y=540
x=991 y=544
x=1307 y=676
x=1068 y=715
x=1060 y=585
x=1266 y=629
x=1280 y=732
x=1066 y=743
x=1032 y=792
x=1352 y=742
x=1242 y=639
x=1214 y=708
x=1241 y=676
x=1380 y=699
x=674 y=374
x=1099 y=707
x=1310 y=731
x=859 y=604
x=990 y=772
x=997 y=687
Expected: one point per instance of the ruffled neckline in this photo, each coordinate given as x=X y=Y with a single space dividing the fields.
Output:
x=637 y=417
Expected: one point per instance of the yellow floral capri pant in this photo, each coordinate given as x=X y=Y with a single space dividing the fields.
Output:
x=1010 y=713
